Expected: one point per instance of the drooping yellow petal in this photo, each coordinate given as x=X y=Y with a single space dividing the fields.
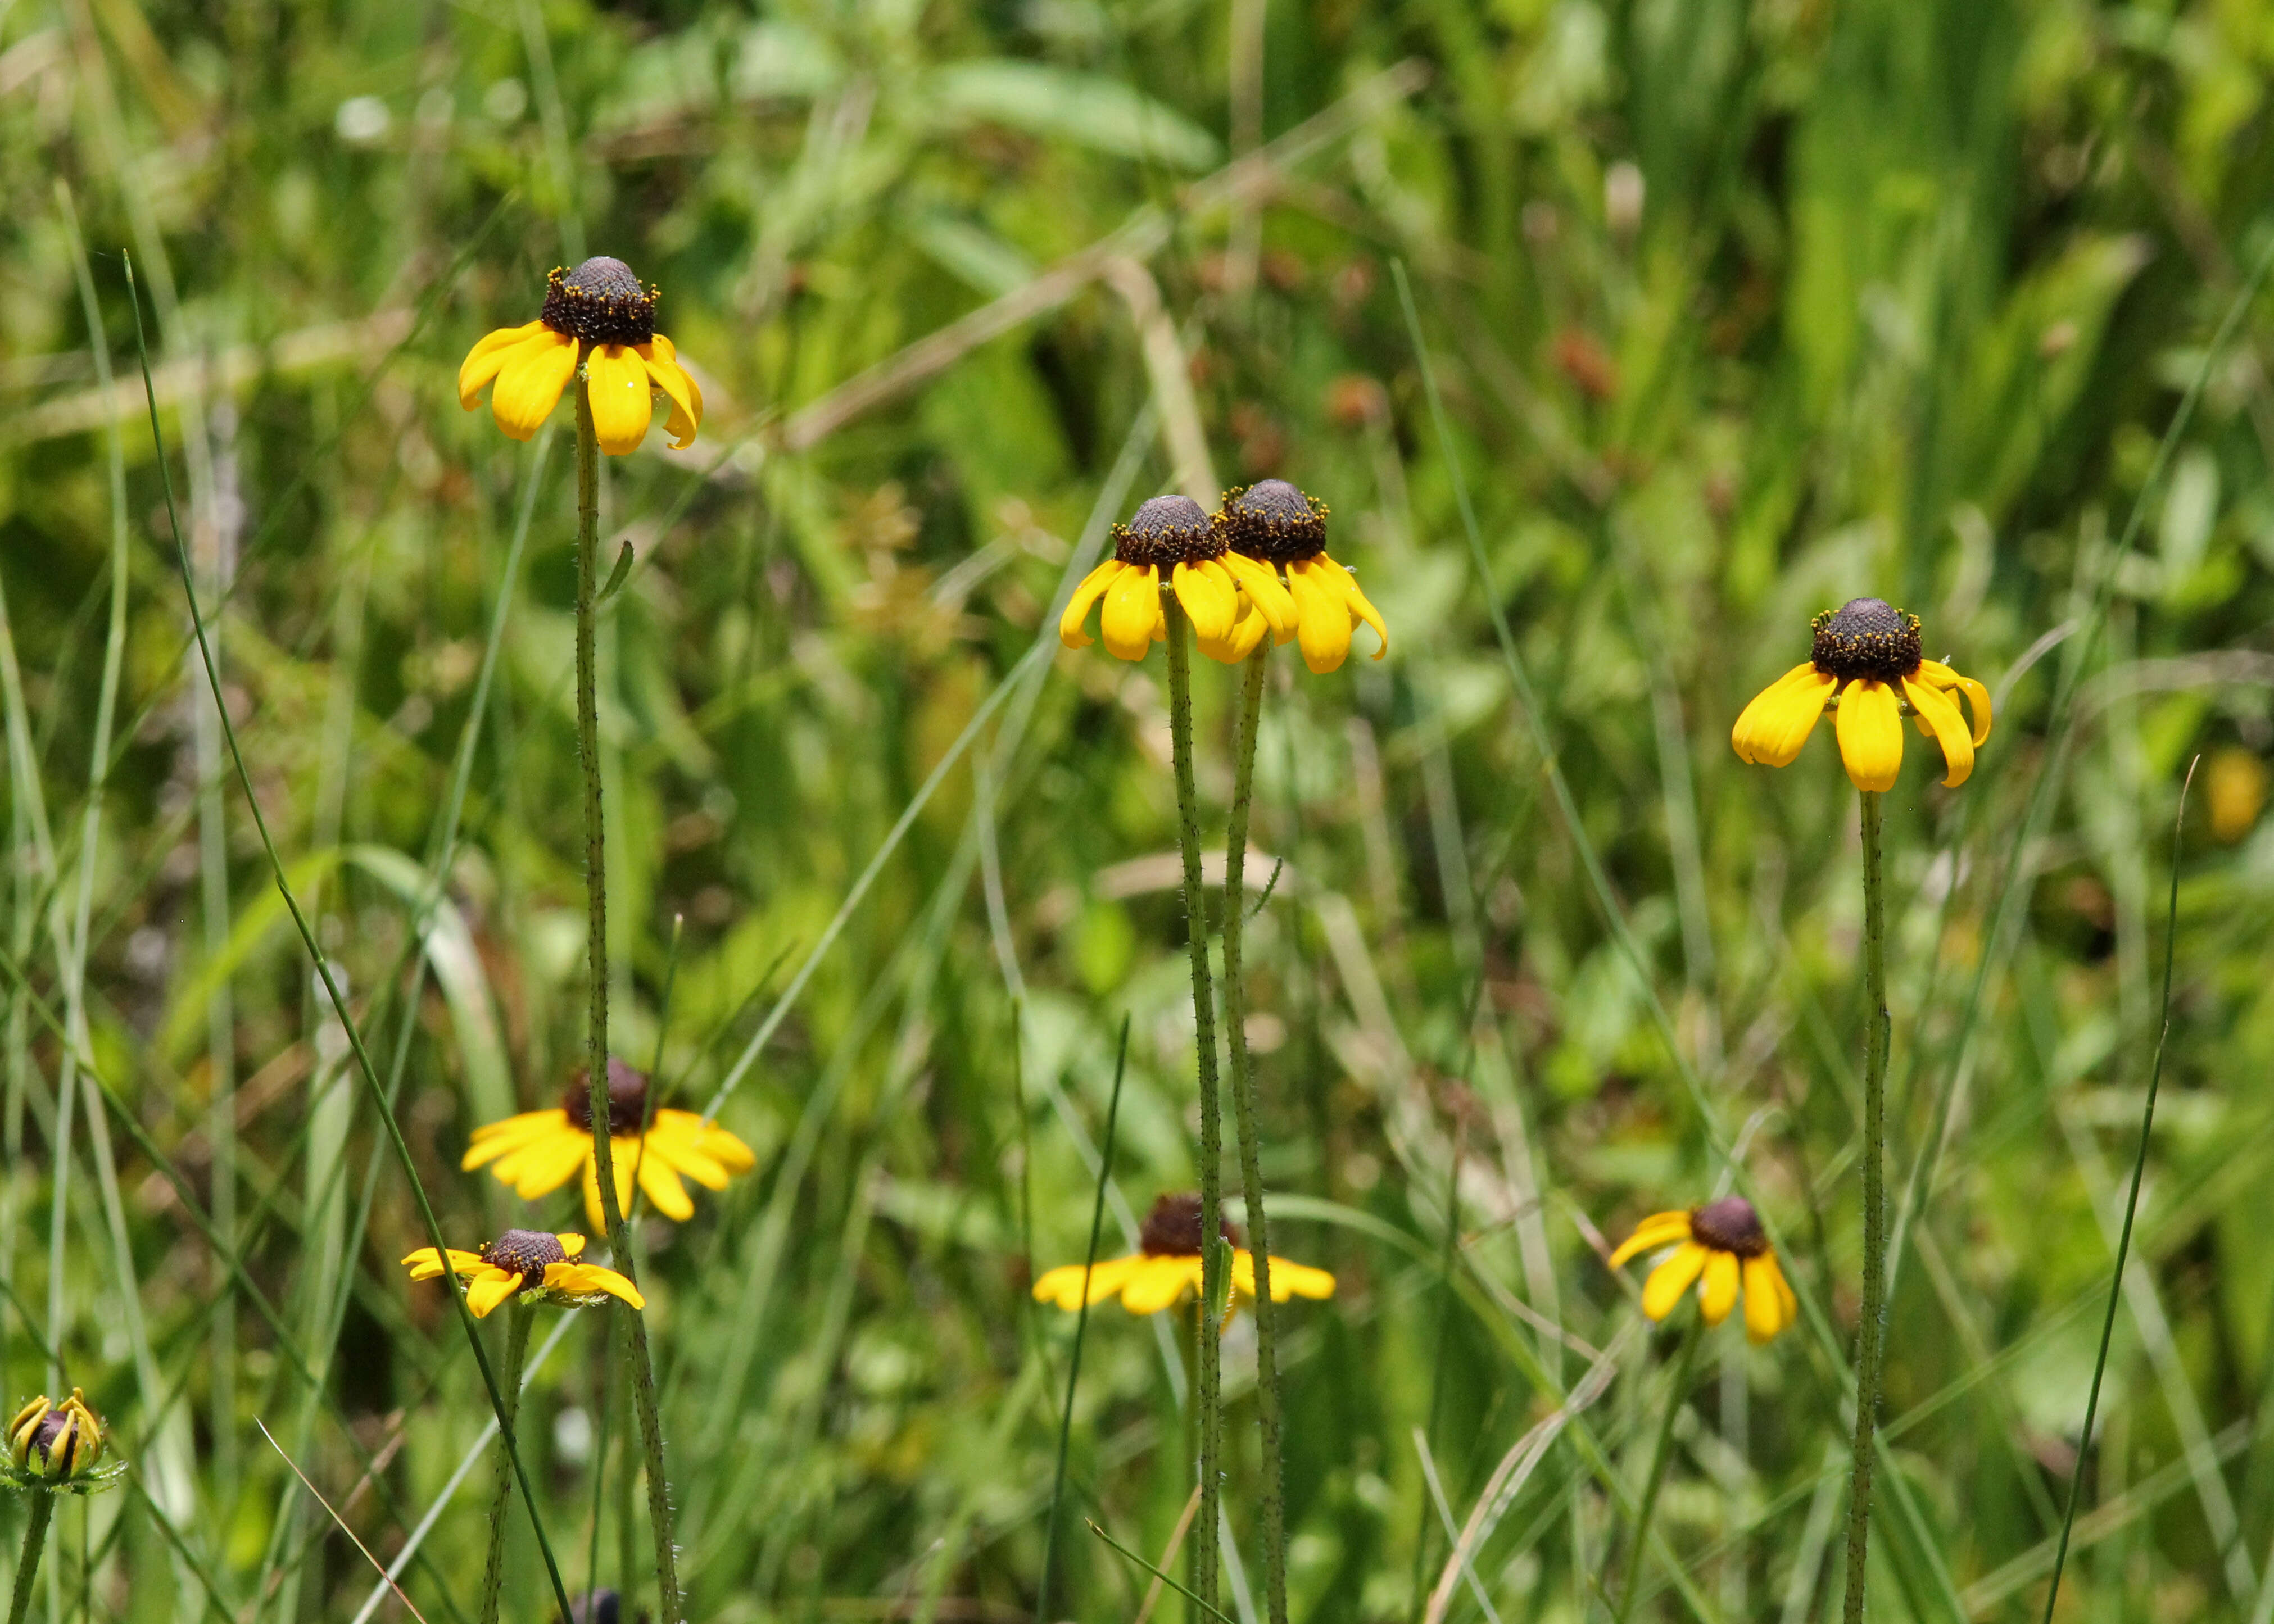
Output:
x=1770 y=730
x=623 y=400
x=707 y=1139
x=1871 y=730
x=540 y=1167
x=623 y=1151
x=495 y=1138
x=1977 y=697
x=1247 y=632
x=1158 y=1282
x=1324 y=630
x=482 y=361
x=1670 y=1278
x=1288 y=1279
x=486 y=1290
x=1063 y=1284
x=674 y=380
x=1765 y=1314
x=1261 y=582
x=1719 y=1295
x=1077 y=609
x=1937 y=710
x=529 y=382
x=662 y=1186
x=1133 y=611
x=1210 y=600
x=1358 y=604
x=584 y=1279
x=1659 y=1229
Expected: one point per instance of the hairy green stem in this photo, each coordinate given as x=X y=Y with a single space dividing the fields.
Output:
x=1871 y=1334
x=1661 y=1453
x=1251 y=1159
x=27 y=1564
x=516 y=1349
x=1208 y=1399
x=596 y=966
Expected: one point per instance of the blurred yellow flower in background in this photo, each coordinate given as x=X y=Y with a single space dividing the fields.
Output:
x=538 y=1152
x=1167 y=1264
x=1723 y=1242
x=1867 y=662
x=600 y=315
x=2235 y=782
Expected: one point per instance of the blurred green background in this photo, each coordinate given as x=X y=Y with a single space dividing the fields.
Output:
x=1738 y=311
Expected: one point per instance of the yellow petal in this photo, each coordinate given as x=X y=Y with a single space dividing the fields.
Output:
x=1977 y=697
x=427 y=1259
x=663 y=1188
x=584 y=1279
x=1247 y=632
x=1063 y=1285
x=539 y=1169
x=1133 y=611
x=1324 y=628
x=1765 y=1314
x=1157 y=1283
x=1719 y=1295
x=1261 y=582
x=1288 y=1279
x=1937 y=710
x=623 y=1151
x=529 y=384
x=1210 y=601
x=1771 y=729
x=497 y=1138
x=572 y=1245
x=1358 y=604
x=1870 y=729
x=675 y=381
x=1077 y=609
x=1670 y=1278
x=486 y=1291
x=709 y=1139
x=1659 y=1229
x=624 y=400
x=482 y=361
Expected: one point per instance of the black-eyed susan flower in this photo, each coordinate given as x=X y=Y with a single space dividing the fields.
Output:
x=1723 y=1242
x=58 y=1445
x=538 y=1152
x=1216 y=587
x=600 y=316
x=530 y=1264
x=1865 y=662
x=1273 y=524
x=1167 y=1263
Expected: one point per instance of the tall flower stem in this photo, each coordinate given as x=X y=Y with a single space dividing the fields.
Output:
x=596 y=957
x=1872 y=1334
x=1662 y=1452
x=1208 y=1399
x=27 y=1565
x=1244 y=1113
x=516 y=1349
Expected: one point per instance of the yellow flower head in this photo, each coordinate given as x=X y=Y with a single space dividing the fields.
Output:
x=599 y=315
x=54 y=1445
x=1167 y=1263
x=1721 y=1241
x=538 y=1152
x=1271 y=525
x=1170 y=534
x=544 y=1266
x=1867 y=662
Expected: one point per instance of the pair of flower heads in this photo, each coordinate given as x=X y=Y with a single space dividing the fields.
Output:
x=537 y=1152
x=1224 y=570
